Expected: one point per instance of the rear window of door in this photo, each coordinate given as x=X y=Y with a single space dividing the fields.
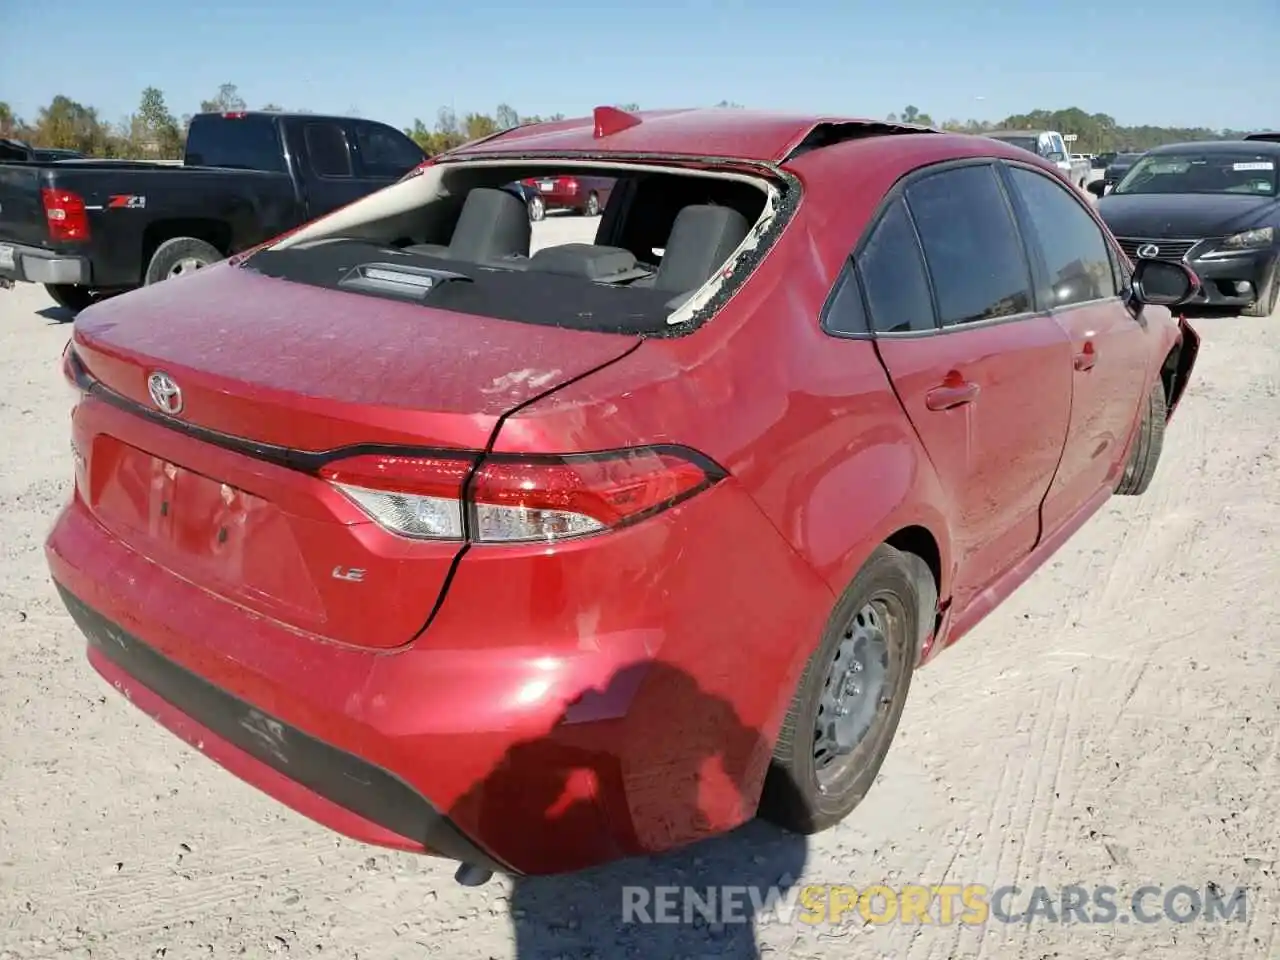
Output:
x=385 y=152
x=893 y=276
x=971 y=245
x=244 y=143
x=1077 y=258
x=327 y=149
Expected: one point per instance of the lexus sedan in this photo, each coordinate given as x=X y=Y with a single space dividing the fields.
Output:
x=539 y=561
x=1214 y=206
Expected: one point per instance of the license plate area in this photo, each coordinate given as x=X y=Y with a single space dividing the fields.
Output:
x=203 y=529
x=546 y=186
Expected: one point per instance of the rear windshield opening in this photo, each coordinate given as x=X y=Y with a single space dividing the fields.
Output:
x=611 y=249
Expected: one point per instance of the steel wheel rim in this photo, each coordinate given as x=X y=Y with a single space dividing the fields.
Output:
x=184 y=266
x=855 y=692
x=593 y=206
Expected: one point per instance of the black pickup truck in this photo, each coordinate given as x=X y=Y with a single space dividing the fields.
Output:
x=85 y=228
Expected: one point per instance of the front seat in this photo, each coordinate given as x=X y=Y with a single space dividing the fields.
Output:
x=701 y=239
x=493 y=225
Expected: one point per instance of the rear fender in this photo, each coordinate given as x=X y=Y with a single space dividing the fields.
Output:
x=904 y=506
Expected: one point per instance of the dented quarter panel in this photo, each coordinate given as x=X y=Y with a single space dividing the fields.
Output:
x=805 y=422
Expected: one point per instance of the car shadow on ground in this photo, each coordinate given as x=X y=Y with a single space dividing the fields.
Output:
x=703 y=900
x=56 y=314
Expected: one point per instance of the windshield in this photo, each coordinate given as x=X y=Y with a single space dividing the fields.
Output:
x=1202 y=172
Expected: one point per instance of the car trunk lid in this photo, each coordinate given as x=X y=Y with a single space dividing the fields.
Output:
x=276 y=378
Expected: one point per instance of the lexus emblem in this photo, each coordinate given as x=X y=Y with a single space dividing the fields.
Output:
x=165 y=394
x=1148 y=251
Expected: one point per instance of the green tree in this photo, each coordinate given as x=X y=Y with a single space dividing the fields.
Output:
x=8 y=120
x=227 y=100
x=506 y=117
x=159 y=125
x=73 y=126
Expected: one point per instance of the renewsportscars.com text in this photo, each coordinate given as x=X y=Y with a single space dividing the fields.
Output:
x=946 y=904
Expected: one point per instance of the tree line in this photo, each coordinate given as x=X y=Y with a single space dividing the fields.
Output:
x=153 y=131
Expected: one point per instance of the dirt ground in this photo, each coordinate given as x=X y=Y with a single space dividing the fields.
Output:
x=1115 y=723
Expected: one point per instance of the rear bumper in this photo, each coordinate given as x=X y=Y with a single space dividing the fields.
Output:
x=1221 y=275
x=350 y=795
x=551 y=719
x=37 y=265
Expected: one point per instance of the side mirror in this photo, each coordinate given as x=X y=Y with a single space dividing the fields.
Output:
x=1097 y=187
x=1162 y=283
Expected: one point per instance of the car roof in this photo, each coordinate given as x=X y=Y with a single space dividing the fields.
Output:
x=1016 y=133
x=719 y=132
x=1253 y=147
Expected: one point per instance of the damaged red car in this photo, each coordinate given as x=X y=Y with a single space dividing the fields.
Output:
x=536 y=558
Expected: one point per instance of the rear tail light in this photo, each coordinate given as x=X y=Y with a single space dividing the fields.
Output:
x=510 y=499
x=65 y=214
x=568 y=185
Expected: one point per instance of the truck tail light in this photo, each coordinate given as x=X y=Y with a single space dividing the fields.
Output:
x=517 y=499
x=65 y=213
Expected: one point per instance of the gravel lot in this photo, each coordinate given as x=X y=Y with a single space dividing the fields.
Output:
x=1115 y=723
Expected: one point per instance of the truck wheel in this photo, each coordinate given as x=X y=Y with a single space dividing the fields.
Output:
x=69 y=296
x=1146 y=446
x=179 y=256
x=850 y=698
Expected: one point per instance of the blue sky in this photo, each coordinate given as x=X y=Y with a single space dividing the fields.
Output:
x=1183 y=62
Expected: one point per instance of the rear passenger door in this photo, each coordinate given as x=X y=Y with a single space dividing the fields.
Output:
x=1079 y=278
x=326 y=164
x=984 y=376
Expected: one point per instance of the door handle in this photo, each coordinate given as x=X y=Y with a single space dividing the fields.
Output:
x=952 y=392
x=1087 y=357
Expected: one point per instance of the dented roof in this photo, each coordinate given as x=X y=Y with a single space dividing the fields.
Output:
x=754 y=135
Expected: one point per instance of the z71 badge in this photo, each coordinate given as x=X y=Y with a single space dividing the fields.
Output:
x=127 y=202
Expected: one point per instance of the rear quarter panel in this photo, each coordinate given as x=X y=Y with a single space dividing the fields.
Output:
x=808 y=424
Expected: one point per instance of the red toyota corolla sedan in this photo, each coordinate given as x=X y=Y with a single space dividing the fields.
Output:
x=539 y=559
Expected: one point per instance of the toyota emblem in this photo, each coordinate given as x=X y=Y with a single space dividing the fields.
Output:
x=165 y=394
x=1148 y=251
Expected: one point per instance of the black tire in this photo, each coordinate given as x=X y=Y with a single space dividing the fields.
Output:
x=592 y=209
x=69 y=296
x=1145 y=454
x=1265 y=305
x=537 y=209
x=179 y=255
x=794 y=797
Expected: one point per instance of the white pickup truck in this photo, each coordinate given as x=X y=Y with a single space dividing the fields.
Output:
x=1050 y=145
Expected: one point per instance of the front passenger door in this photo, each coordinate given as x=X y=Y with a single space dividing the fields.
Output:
x=984 y=377
x=1077 y=280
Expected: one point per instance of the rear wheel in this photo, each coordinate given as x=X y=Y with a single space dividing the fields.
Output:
x=846 y=709
x=592 y=209
x=537 y=209
x=70 y=297
x=1145 y=454
x=180 y=256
